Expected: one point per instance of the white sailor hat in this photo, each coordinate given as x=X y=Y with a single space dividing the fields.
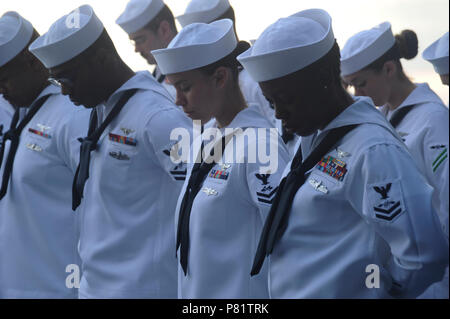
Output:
x=366 y=47
x=15 y=34
x=138 y=14
x=197 y=45
x=68 y=37
x=204 y=11
x=289 y=45
x=437 y=54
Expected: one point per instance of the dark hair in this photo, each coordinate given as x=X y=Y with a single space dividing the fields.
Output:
x=25 y=54
x=229 y=61
x=164 y=15
x=330 y=63
x=229 y=14
x=406 y=46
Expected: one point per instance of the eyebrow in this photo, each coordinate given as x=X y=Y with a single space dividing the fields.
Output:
x=178 y=83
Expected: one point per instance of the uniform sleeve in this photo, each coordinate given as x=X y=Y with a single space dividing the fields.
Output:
x=74 y=125
x=263 y=177
x=393 y=197
x=435 y=150
x=169 y=136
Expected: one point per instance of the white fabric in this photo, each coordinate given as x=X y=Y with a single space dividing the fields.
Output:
x=437 y=54
x=68 y=37
x=203 y=11
x=138 y=14
x=289 y=45
x=332 y=238
x=225 y=228
x=15 y=34
x=366 y=47
x=127 y=243
x=38 y=229
x=6 y=113
x=197 y=45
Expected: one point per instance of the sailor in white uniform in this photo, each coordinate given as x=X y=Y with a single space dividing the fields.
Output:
x=207 y=11
x=225 y=200
x=39 y=156
x=343 y=223
x=371 y=62
x=126 y=178
x=150 y=24
x=437 y=55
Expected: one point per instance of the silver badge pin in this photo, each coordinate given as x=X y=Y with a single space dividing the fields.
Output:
x=403 y=134
x=43 y=128
x=225 y=166
x=342 y=154
x=119 y=156
x=318 y=186
x=209 y=191
x=127 y=131
x=34 y=147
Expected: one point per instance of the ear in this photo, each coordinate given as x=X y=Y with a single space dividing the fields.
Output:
x=221 y=76
x=390 y=69
x=164 y=31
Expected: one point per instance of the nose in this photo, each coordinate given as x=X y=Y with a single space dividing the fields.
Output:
x=65 y=90
x=181 y=99
x=279 y=113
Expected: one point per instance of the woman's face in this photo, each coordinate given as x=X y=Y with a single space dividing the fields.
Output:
x=370 y=83
x=296 y=104
x=195 y=94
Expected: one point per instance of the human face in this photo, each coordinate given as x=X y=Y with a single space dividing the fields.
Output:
x=370 y=83
x=295 y=104
x=195 y=94
x=19 y=82
x=145 y=41
x=77 y=80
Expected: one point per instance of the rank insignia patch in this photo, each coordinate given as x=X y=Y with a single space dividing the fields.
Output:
x=122 y=139
x=387 y=200
x=440 y=159
x=219 y=174
x=267 y=194
x=40 y=133
x=334 y=167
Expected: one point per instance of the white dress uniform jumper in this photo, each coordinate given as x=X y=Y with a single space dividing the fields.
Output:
x=226 y=220
x=38 y=230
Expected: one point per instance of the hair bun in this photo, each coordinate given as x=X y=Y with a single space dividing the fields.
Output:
x=408 y=44
x=241 y=47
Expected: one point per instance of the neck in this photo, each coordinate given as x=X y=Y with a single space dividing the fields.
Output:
x=399 y=92
x=232 y=104
x=342 y=101
x=119 y=76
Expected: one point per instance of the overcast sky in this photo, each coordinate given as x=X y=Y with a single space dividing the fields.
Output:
x=428 y=18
